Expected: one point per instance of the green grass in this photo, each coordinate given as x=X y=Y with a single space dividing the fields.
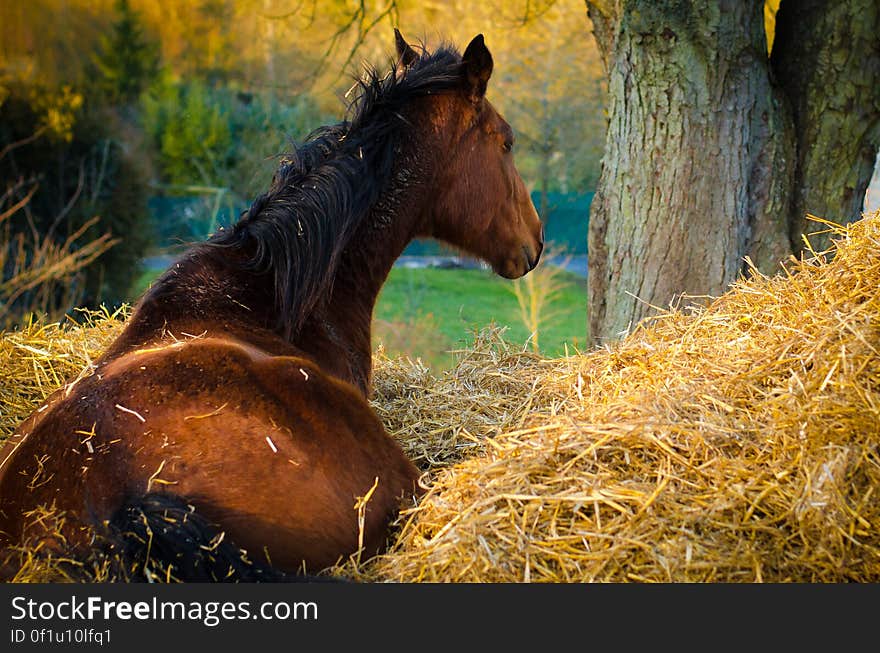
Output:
x=142 y=282
x=427 y=312
x=456 y=303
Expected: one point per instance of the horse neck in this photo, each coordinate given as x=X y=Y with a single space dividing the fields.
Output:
x=392 y=223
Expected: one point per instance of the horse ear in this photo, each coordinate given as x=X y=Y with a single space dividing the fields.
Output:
x=477 y=65
x=405 y=54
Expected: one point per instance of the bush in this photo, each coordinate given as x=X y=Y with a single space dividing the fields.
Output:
x=222 y=137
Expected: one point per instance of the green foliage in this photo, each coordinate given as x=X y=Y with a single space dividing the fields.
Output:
x=221 y=137
x=266 y=127
x=217 y=148
x=192 y=129
x=127 y=60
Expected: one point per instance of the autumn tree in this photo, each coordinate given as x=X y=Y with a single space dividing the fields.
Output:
x=716 y=151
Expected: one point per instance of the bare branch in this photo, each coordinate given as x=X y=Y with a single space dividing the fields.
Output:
x=24 y=141
x=18 y=205
x=362 y=33
x=358 y=18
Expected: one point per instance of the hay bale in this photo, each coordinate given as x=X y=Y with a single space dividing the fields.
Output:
x=732 y=443
x=490 y=391
x=37 y=358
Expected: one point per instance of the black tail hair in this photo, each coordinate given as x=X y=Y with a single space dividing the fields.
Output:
x=159 y=537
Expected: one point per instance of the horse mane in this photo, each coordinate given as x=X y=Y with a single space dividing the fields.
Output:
x=295 y=233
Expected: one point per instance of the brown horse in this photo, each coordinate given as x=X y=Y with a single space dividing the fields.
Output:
x=226 y=434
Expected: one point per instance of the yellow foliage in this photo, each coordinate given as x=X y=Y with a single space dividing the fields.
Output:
x=770 y=9
x=58 y=110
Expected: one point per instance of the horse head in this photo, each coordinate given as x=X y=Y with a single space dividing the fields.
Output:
x=480 y=202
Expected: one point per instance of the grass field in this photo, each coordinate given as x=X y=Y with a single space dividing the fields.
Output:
x=428 y=312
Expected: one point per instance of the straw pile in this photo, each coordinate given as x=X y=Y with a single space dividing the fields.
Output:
x=734 y=443
x=38 y=358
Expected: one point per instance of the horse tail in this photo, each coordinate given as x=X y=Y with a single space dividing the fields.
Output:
x=159 y=537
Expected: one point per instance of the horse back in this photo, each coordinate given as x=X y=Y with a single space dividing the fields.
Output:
x=271 y=447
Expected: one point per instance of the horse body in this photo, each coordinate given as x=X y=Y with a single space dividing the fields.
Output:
x=239 y=384
x=246 y=446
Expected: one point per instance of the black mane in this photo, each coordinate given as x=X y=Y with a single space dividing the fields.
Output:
x=296 y=232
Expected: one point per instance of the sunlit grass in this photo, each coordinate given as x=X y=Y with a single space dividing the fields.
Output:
x=461 y=302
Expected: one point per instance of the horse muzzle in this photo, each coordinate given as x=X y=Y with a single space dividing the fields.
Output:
x=519 y=266
x=533 y=259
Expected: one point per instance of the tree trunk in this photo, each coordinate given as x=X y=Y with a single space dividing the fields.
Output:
x=826 y=57
x=698 y=156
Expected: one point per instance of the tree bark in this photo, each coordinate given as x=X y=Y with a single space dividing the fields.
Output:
x=698 y=162
x=826 y=56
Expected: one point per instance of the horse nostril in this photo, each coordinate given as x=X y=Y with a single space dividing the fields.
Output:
x=531 y=263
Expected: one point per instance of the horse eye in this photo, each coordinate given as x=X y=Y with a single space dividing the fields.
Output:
x=508 y=145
